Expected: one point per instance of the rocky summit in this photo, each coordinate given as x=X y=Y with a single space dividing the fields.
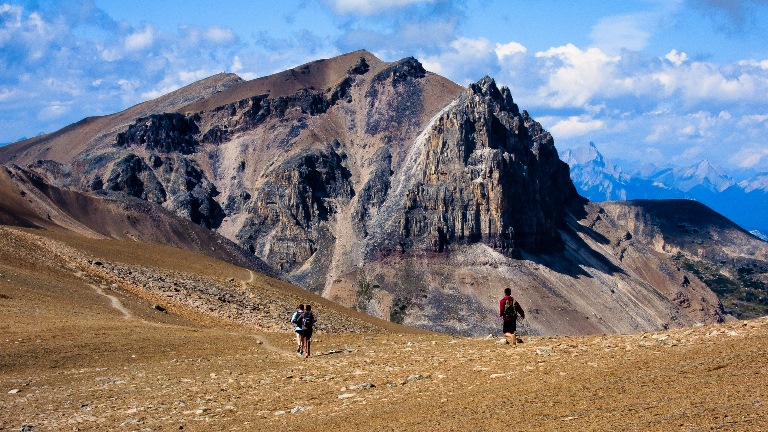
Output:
x=388 y=189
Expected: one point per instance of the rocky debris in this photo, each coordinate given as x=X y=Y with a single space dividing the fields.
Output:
x=374 y=192
x=161 y=376
x=166 y=133
x=201 y=299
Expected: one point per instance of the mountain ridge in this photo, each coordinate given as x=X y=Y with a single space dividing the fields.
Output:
x=393 y=191
x=741 y=201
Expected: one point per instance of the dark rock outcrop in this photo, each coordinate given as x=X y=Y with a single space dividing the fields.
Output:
x=167 y=133
x=173 y=181
x=289 y=214
x=133 y=176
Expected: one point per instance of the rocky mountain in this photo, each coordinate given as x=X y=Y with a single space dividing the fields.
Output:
x=390 y=189
x=599 y=179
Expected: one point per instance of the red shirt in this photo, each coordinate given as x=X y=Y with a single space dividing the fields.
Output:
x=501 y=305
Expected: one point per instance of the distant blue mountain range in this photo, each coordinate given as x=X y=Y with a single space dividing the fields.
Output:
x=598 y=179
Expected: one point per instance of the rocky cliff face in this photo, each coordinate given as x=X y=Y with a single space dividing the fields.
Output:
x=487 y=173
x=388 y=189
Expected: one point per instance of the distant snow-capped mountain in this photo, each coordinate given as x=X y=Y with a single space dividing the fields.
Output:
x=757 y=183
x=702 y=175
x=601 y=179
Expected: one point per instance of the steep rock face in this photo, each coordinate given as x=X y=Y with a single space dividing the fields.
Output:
x=288 y=218
x=166 y=133
x=134 y=177
x=174 y=181
x=490 y=174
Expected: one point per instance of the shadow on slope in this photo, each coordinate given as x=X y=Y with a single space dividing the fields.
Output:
x=27 y=201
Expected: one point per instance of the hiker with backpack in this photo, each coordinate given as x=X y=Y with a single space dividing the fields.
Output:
x=508 y=311
x=296 y=321
x=307 y=325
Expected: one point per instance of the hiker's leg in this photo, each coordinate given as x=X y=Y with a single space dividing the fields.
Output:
x=309 y=344
x=511 y=337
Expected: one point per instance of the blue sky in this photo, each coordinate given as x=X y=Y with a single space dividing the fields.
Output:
x=661 y=81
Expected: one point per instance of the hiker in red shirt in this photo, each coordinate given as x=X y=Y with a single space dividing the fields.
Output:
x=508 y=310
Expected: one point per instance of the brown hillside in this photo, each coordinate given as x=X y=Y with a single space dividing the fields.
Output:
x=81 y=352
x=27 y=201
x=66 y=144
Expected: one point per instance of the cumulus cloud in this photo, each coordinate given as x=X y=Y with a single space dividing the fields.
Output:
x=53 y=111
x=61 y=62
x=367 y=7
x=749 y=156
x=219 y=35
x=140 y=39
x=573 y=126
x=509 y=49
x=466 y=59
x=677 y=58
x=699 y=82
x=574 y=76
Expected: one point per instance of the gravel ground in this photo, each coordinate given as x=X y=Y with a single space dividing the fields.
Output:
x=79 y=354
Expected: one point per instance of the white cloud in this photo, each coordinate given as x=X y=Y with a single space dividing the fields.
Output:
x=658 y=134
x=574 y=76
x=509 y=49
x=762 y=64
x=140 y=40
x=573 y=126
x=466 y=60
x=237 y=65
x=219 y=35
x=367 y=7
x=614 y=33
x=187 y=77
x=749 y=157
x=754 y=120
x=53 y=111
x=691 y=152
x=677 y=58
x=6 y=94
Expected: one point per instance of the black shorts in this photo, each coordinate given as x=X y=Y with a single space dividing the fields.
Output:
x=307 y=333
x=510 y=326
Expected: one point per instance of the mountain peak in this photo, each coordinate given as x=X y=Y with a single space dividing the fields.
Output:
x=584 y=154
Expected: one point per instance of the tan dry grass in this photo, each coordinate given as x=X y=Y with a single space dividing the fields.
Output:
x=71 y=361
